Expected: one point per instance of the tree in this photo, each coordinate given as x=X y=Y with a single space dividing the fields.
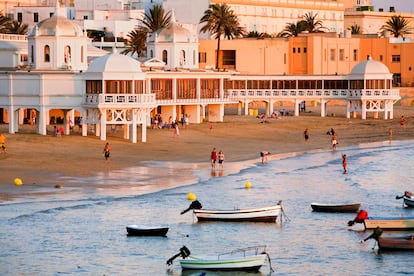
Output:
x=4 y=23
x=313 y=25
x=136 y=42
x=220 y=21
x=397 y=26
x=355 y=29
x=16 y=27
x=292 y=29
x=156 y=18
x=258 y=35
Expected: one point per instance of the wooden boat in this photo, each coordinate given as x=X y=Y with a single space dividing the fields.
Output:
x=336 y=208
x=264 y=214
x=396 y=243
x=389 y=223
x=142 y=230
x=246 y=259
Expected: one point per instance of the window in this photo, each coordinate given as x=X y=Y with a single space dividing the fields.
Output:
x=85 y=17
x=396 y=58
x=66 y=56
x=294 y=50
x=355 y=55
x=182 y=58
x=46 y=54
x=19 y=17
x=36 y=17
x=341 y=54
x=165 y=56
x=305 y=50
x=381 y=58
x=202 y=57
x=229 y=57
x=332 y=55
x=82 y=53
x=51 y=14
x=298 y=50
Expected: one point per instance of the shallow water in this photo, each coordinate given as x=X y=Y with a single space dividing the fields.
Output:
x=82 y=231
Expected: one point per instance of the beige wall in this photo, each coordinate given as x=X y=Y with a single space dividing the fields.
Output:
x=323 y=52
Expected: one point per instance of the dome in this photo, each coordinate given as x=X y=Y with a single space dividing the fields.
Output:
x=56 y=26
x=370 y=67
x=114 y=63
x=174 y=33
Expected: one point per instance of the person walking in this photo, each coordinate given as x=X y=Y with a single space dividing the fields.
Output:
x=213 y=158
x=263 y=155
x=334 y=141
x=221 y=159
x=344 y=162
x=107 y=152
x=306 y=135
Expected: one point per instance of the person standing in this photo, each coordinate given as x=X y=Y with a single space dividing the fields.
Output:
x=306 y=135
x=176 y=130
x=3 y=143
x=221 y=159
x=107 y=152
x=344 y=162
x=213 y=158
x=334 y=141
x=263 y=155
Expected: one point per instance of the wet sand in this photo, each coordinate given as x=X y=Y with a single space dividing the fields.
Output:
x=45 y=160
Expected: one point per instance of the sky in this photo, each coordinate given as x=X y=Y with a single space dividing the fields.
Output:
x=400 y=5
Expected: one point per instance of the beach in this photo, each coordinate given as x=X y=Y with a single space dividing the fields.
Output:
x=47 y=160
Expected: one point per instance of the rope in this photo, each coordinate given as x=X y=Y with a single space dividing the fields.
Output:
x=270 y=262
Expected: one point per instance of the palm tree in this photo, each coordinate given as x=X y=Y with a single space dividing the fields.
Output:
x=292 y=29
x=136 y=42
x=313 y=25
x=355 y=29
x=220 y=21
x=397 y=26
x=258 y=35
x=156 y=18
x=4 y=23
x=16 y=27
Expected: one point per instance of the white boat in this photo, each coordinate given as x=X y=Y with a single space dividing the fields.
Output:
x=246 y=259
x=263 y=214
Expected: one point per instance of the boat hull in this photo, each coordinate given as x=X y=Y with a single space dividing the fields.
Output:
x=266 y=214
x=409 y=202
x=243 y=263
x=336 y=208
x=135 y=230
x=396 y=243
x=391 y=224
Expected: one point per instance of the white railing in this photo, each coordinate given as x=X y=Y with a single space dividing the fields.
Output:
x=312 y=93
x=111 y=99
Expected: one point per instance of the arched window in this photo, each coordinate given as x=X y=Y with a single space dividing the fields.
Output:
x=165 y=56
x=151 y=54
x=182 y=58
x=46 y=54
x=67 y=54
x=82 y=54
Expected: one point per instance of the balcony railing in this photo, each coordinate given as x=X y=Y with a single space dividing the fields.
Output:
x=113 y=99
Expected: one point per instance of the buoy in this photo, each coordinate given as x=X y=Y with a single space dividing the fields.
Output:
x=191 y=196
x=248 y=185
x=18 y=182
x=58 y=186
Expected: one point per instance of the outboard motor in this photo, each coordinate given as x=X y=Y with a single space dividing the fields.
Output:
x=184 y=253
x=194 y=205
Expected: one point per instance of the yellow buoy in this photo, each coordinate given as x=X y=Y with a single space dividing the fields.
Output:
x=191 y=196
x=248 y=185
x=18 y=182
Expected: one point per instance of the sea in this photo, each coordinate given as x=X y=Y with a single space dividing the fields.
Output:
x=81 y=231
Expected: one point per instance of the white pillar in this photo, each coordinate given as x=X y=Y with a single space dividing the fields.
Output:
x=41 y=118
x=348 y=109
x=246 y=107
x=323 y=108
x=144 y=126
x=297 y=103
x=102 y=126
x=363 y=110
x=134 y=125
x=271 y=103
x=12 y=118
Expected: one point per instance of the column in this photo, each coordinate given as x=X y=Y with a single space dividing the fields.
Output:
x=323 y=108
x=246 y=107
x=297 y=103
x=102 y=126
x=134 y=125
x=12 y=116
x=144 y=125
x=42 y=120
x=363 y=110
x=348 y=109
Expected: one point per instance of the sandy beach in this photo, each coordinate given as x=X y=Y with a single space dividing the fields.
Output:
x=37 y=159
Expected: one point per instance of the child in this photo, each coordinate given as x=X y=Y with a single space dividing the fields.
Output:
x=344 y=162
